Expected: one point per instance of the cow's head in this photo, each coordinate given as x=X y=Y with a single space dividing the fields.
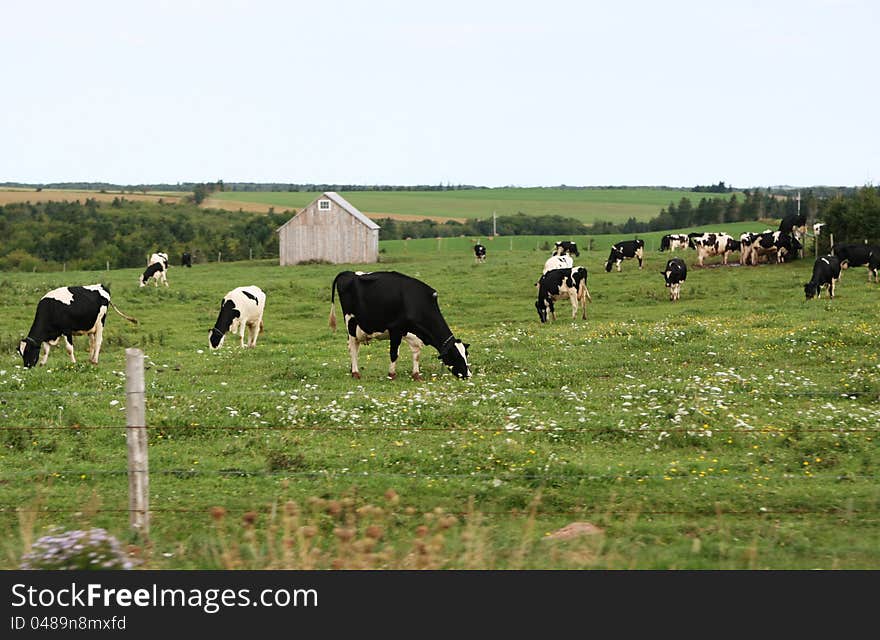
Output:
x=542 y=305
x=227 y=320
x=215 y=338
x=29 y=350
x=616 y=254
x=811 y=290
x=454 y=355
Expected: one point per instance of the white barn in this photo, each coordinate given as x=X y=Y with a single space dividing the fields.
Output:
x=329 y=229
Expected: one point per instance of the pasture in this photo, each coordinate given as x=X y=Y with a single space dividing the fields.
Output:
x=586 y=205
x=735 y=429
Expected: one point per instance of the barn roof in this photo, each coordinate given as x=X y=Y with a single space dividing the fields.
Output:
x=345 y=204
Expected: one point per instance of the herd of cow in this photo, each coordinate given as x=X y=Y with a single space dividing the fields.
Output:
x=377 y=305
x=393 y=306
x=561 y=279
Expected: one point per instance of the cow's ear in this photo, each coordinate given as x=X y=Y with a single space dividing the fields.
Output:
x=466 y=345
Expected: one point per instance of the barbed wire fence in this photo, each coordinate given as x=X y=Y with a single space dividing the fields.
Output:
x=138 y=469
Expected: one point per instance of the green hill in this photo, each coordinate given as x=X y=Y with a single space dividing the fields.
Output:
x=585 y=204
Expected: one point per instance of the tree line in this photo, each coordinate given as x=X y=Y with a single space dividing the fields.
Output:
x=52 y=235
x=49 y=236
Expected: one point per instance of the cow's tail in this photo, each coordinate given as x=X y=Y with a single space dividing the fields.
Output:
x=332 y=321
x=129 y=318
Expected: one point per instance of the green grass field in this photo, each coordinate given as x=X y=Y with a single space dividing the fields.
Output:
x=736 y=429
x=587 y=205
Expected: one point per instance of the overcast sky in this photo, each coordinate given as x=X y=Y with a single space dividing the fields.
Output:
x=534 y=93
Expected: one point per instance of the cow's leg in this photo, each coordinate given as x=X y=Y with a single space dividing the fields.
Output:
x=394 y=351
x=241 y=328
x=353 y=346
x=831 y=288
x=415 y=345
x=164 y=278
x=46 y=347
x=97 y=339
x=573 y=298
x=68 y=344
x=639 y=255
x=618 y=265
x=255 y=330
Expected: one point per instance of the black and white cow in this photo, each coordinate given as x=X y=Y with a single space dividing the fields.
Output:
x=67 y=312
x=393 y=306
x=794 y=223
x=773 y=243
x=675 y=273
x=157 y=267
x=673 y=241
x=563 y=283
x=479 y=253
x=856 y=255
x=711 y=244
x=566 y=247
x=240 y=309
x=186 y=259
x=826 y=273
x=625 y=250
x=747 y=253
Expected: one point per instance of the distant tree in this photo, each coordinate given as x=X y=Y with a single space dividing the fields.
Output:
x=200 y=192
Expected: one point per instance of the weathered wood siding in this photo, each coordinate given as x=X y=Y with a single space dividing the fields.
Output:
x=335 y=236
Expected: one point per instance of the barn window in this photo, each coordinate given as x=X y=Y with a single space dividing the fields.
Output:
x=323 y=205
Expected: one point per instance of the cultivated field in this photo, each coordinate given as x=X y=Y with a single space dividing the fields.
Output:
x=8 y=196
x=587 y=205
x=735 y=429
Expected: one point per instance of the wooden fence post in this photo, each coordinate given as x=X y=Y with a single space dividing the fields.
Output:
x=136 y=438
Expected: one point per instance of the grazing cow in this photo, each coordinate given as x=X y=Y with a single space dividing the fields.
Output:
x=675 y=273
x=68 y=312
x=856 y=255
x=566 y=247
x=774 y=243
x=826 y=273
x=240 y=309
x=157 y=267
x=479 y=252
x=393 y=306
x=559 y=283
x=625 y=250
x=186 y=260
x=673 y=241
x=558 y=262
x=711 y=244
